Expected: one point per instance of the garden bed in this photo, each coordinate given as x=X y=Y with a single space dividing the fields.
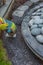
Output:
x=3 y=55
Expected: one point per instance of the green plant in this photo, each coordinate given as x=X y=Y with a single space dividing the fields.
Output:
x=5 y=62
x=3 y=55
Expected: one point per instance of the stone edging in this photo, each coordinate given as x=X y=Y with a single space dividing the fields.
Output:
x=21 y=11
x=29 y=39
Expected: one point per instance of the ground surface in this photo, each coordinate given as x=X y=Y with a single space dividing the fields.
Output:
x=18 y=51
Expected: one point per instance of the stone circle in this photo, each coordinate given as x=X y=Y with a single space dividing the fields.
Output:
x=32 y=30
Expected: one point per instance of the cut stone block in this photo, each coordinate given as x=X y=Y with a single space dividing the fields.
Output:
x=34 y=1
x=23 y=8
x=28 y=3
x=19 y=14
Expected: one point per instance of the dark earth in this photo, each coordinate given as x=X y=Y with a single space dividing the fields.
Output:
x=18 y=51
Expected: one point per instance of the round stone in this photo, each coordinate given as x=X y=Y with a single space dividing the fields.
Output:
x=42 y=30
x=41 y=16
x=36 y=31
x=38 y=10
x=40 y=25
x=36 y=17
x=31 y=22
x=34 y=13
x=34 y=1
x=39 y=38
x=38 y=21
x=34 y=26
x=41 y=9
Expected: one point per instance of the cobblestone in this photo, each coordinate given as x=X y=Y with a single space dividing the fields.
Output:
x=19 y=14
x=34 y=1
x=28 y=3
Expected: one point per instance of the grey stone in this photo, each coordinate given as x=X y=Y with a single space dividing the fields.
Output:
x=36 y=17
x=40 y=25
x=30 y=12
x=34 y=13
x=42 y=30
x=41 y=16
x=41 y=4
x=34 y=1
x=39 y=13
x=4 y=8
x=26 y=18
x=36 y=31
x=19 y=14
x=38 y=10
x=37 y=20
x=37 y=7
x=23 y=8
x=40 y=38
x=1 y=3
x=31 y=22
x=41 y=9
x=31 y=40
x=34 y=26
x=28 y=3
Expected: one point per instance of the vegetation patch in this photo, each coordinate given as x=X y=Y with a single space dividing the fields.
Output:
x=3 y=55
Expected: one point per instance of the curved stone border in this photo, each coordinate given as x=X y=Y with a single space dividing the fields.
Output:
x=21 y=11
x=29 y=39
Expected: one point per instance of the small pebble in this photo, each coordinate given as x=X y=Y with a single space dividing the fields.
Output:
x=41 y=16
x=40 y=25
x=31 y=22
x=36 y=31
x=41 y=9
x=39 y=38
x=38 y=21
x=42 y=30
x=34 y=26
x=36 y=17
